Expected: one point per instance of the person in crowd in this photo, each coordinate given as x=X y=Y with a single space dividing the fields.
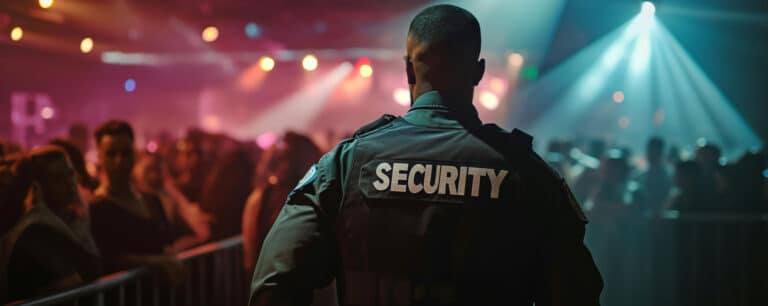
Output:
x=78 y=135
x=226 y=190
x=607 y=208
x=191 y=168
x=693 y=193
x=741 y=183
x=281 y=168
x=589 y=178
x=130 y=227
x=51 y=247
x=708 y=159
x=655 y=182
x=188 y=221
x=9 y=148
x=85 y=183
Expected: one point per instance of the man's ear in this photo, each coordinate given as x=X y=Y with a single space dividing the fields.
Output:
x=479 y=71
x=410 y=73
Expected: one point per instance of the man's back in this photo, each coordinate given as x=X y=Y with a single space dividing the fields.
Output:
x=435 y=208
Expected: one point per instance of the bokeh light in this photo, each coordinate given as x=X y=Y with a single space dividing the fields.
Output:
x=152 y=147
x=366 y=70
x=252 y=30
x=402 y=96
x=530 y=73
x=489 y=100
x=266 y=63
x=46 y=4
x=618 y=96
x=17 y=33
x=130 y=85
x=86 y=45
x=47 y=112
x=515 y=60
x=210 y=34
x=498 y=85
x=309 y=62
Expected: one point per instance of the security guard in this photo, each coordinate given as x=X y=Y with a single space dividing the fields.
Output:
x=432 y=208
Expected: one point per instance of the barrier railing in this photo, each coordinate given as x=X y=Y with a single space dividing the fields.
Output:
x=687 y=259
x=214 y=277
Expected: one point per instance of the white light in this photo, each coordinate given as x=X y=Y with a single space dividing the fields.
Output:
x=647 y=9
x=86 y=45
x=266 y=63
x=402 y=96
x=489 y=100
x=309 y=62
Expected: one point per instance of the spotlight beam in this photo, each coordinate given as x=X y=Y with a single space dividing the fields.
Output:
x=302 y=107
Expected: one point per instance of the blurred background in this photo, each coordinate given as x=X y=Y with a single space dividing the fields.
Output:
x=655 y=112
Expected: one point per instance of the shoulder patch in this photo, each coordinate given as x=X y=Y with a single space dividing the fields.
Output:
x=387 y=118
x=308 y=178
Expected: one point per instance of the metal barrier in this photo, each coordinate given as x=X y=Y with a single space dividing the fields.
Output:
x=215 y=276
x=687 y=259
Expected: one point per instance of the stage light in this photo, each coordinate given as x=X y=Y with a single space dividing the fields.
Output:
x=489 y=100
x=17 y=33
x=47 y=112
x=515 y=60
x=402 y=96
x=86 y=45
x=210 y=34
x=266 y=63
x=618 y=96
x=252 y=30
x=212 y=123
x=366 y=70
x=647 y=9
x=130 y=85
x=46 y=4
x=309 y=62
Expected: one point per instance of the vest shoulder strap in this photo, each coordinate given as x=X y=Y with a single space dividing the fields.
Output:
x=376 y=124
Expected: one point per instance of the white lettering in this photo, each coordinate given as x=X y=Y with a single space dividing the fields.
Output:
x=462 y=181
x=448 y=178
x=476 y=174
x=430 y=184
x=413 y=187
x=496 y=181
x=383 y=182
x=399 y=174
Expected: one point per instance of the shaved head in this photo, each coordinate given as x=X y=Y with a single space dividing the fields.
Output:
x=443 y=50
x=449 y=29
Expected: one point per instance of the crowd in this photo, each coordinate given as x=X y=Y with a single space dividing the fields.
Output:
x=64 y=223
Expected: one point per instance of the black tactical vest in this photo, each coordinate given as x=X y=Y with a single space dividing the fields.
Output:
x=437 y=216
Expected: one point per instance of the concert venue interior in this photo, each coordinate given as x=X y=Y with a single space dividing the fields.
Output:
x=221 y=92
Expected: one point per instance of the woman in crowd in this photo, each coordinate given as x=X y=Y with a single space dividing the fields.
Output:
x=280 y=169
x=130 y=227
x=187 y=220
x=85 y=183
x=51 y=247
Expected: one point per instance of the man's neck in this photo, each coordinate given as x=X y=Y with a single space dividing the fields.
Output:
x=459 y=97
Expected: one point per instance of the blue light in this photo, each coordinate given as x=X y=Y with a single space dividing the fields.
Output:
x=765 y=173
x=252 y=30
x=130 y=85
